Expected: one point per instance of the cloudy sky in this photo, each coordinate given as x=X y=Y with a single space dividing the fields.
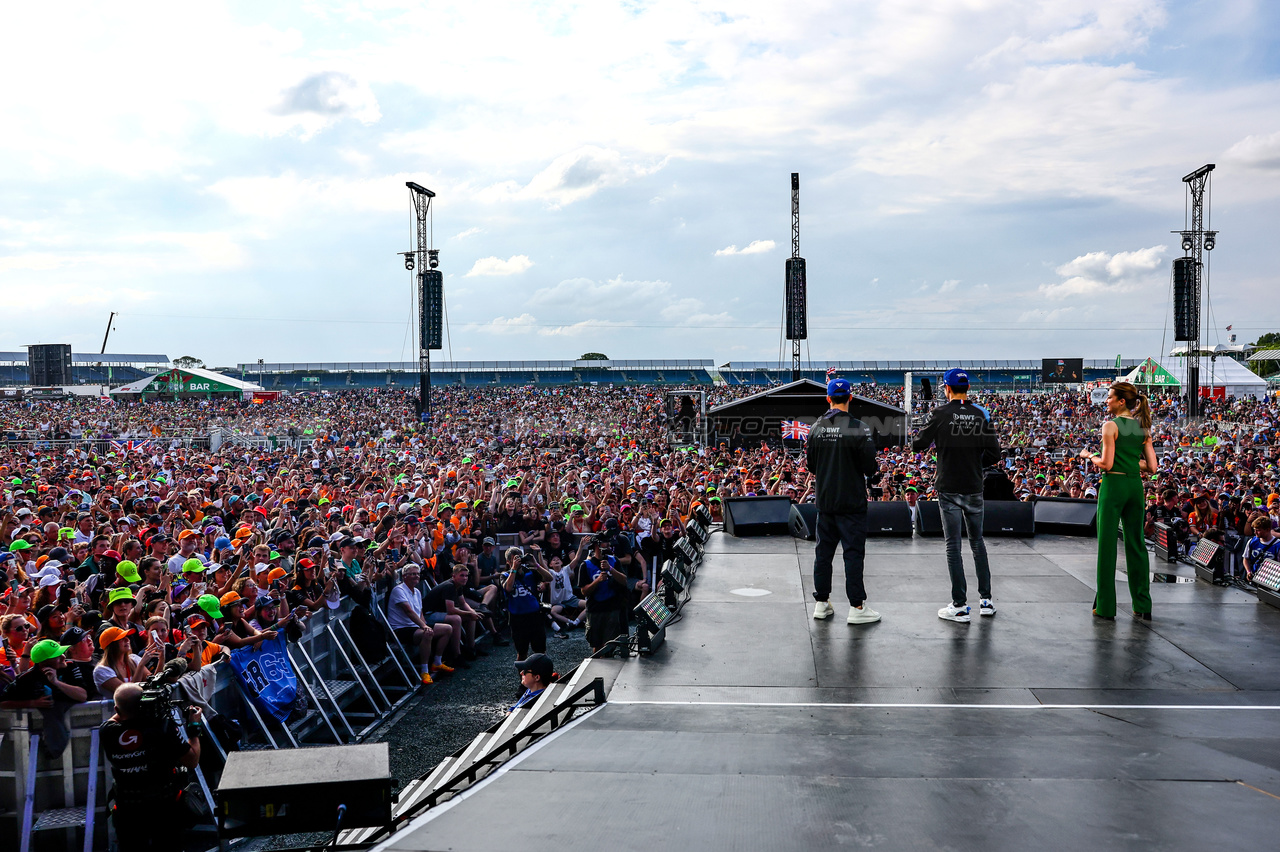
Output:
x=979 y=178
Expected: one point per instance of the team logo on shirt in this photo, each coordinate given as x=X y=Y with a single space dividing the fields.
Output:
x=129 y=739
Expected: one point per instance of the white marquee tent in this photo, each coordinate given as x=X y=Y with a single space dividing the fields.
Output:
x=1236 y=379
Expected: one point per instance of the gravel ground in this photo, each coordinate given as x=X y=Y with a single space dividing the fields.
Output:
x=443 y=717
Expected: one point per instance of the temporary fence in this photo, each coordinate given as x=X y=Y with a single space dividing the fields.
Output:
x=44 y=800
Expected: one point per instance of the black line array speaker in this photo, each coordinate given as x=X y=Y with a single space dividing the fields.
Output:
x=431 y=309
x=1186 y=300
x=49 y=364
x=754 y=516
x=1066 y=516
x=1008 y=518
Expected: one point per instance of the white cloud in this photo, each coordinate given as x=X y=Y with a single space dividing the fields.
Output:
x=1099 y=274
x=510 y=325
x=571 y=177
x=756 y=247
x=288 y=194
x=469 y=232
x=513 y=265
x=1259 y=152
x=949 y=285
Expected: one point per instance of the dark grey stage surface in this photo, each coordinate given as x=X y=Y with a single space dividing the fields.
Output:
x=757 y=728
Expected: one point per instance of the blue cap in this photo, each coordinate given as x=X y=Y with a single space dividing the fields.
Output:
x=222 y=542
x=956 y=379
x=839 y=387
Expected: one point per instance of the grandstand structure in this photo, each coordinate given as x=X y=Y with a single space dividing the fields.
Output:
x=404 y=374
x=118 y=369
x=88 y=368
x=1010 y=375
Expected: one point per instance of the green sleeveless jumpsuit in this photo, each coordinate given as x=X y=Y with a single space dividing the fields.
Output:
x=1121 y=503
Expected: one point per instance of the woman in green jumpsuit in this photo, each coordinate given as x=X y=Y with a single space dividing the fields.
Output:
x=1126 y=454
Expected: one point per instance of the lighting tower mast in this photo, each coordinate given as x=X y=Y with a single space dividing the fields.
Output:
x=797 y=309
x=430 y=292
x=1195 y=242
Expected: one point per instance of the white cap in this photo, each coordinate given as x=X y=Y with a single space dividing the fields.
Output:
x=50 y=580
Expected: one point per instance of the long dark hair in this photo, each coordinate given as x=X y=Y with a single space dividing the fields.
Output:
x=1135 y=401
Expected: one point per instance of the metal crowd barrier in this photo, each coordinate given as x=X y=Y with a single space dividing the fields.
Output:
x=348 y=697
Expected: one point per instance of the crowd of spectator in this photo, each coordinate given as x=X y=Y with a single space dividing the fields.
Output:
x=522 y=513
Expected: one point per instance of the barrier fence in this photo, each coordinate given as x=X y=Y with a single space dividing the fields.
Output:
x=43 y=798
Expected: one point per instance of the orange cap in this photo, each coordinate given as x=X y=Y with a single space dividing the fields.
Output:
x=230 y=598
x=113 y=634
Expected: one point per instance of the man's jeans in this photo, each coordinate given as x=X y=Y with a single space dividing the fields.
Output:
x=954 y=507
x=850 y=531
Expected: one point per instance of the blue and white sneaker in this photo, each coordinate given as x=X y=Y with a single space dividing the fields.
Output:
x=987 y=607
x=950 y=612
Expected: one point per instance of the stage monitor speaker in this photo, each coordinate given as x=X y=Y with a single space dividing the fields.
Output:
x=1012 y=518
x=1066 y=516
x=300 y=789
x=804 y=520
x=1000 y=518
x=755 y=516
x=1186 y=301
x=1166 y=543
x=890 y=519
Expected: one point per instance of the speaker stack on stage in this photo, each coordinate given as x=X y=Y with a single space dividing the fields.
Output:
x=1008 y=518
x=757 y=516
x=1066 y=516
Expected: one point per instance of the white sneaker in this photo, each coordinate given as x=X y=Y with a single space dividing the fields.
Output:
x=863 y=615
x=987 y=607
x=824 y=609
x=951 y=612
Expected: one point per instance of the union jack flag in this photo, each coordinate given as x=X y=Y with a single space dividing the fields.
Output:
x=131 y=446
x=795 y=430
x=831 y=373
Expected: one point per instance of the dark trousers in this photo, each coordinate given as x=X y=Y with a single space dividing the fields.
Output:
x=850 y=530
x=528 y=630
x=161 y=828
x=969 y=509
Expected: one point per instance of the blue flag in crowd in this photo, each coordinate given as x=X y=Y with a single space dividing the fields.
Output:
x=267 y=675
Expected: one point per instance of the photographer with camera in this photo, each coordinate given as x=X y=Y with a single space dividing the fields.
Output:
x=524 y=573
x=151 y=754
x=605 y=587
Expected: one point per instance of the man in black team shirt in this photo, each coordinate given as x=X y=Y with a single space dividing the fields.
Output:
x=966 y=442
x=841 y=455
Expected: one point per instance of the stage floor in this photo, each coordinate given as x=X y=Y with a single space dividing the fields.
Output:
x=755 y=727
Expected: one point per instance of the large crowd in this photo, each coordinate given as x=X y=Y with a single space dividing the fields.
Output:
x=131 y=536
x=521 y=513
